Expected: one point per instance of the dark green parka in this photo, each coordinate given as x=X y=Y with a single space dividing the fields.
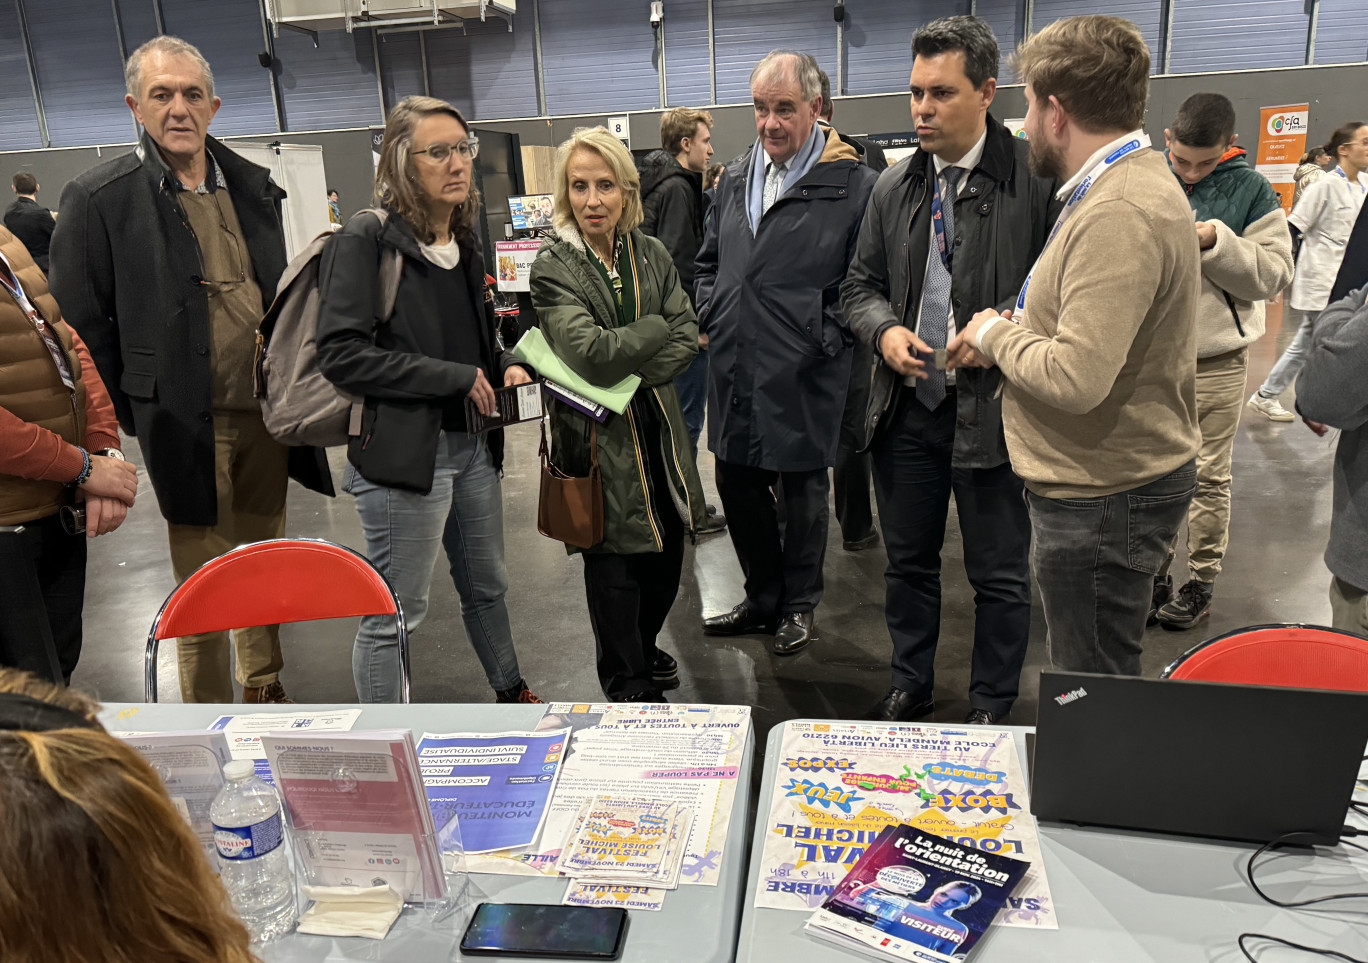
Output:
x=577 y=315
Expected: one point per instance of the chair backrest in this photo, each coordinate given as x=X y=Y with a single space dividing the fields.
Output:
x=267 y=583
x=1296 y=656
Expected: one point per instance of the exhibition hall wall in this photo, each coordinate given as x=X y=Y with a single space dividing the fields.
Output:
x=561 y=57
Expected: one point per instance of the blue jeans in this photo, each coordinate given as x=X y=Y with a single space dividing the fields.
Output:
x=464 y=515
x=692 y=387
x=1094 y=562
x=1294 y=357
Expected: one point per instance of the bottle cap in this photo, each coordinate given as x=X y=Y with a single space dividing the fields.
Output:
x=239 y=769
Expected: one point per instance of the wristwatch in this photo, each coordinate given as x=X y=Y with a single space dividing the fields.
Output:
x=112 y=453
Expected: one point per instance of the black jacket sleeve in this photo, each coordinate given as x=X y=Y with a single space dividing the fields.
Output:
x=349 y=296
x=671 y=216
x=81 y=276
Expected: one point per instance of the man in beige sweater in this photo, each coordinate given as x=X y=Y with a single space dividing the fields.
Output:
x=1099 y=407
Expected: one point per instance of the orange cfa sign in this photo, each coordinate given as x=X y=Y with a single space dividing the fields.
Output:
x=1282 y=141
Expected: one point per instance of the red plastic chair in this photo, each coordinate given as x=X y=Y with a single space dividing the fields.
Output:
x=266 y=583
x=1296 y=656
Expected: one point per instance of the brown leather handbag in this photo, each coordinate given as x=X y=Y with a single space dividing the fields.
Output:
x=569 y=508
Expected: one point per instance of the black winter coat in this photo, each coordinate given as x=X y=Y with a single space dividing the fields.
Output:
x=32 y=223
x=1003 y=214
x=125 y=269
x=672 y=212
x=769 y=302
x=398 y=366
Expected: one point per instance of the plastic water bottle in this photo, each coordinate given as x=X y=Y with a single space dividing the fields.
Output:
x=249 y=834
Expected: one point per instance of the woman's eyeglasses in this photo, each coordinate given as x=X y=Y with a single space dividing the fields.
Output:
x=441 y=153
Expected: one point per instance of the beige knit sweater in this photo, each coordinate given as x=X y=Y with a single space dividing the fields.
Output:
x=1099 y=394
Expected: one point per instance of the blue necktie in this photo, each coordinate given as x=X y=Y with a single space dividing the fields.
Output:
x=934 y=321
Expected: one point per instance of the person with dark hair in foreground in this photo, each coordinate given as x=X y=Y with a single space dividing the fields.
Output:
x=96 y=863
x=1100 y=362
x=935 y=433
x=1246 y=259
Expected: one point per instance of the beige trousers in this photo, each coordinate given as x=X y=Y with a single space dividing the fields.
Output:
x=1348 y=606
x=1220 y=399
x=253 y=475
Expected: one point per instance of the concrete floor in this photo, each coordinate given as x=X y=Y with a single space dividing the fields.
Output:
x=1273 y=573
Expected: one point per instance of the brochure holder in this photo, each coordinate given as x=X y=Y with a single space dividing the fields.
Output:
x=359 y=816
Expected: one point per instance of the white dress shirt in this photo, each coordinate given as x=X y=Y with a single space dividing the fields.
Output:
x=968 y=162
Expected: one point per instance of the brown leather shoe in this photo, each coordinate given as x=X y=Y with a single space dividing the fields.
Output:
x=273 y=694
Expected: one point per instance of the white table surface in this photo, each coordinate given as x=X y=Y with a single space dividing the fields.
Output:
x=1122 y=897
x=697 y=924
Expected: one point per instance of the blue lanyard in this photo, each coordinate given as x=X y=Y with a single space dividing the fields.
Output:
x=1356 y=182
x=1138 y=141
x=938 y=222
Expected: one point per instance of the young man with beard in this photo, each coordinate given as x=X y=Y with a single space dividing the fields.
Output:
x=1099 y=355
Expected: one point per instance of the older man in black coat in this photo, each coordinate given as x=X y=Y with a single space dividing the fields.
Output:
x=165 y=259
x=776 y=247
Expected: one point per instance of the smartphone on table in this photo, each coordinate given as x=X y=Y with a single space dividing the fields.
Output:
x=555 y=932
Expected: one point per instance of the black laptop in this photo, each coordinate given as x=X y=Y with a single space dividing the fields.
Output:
x=1244 y=762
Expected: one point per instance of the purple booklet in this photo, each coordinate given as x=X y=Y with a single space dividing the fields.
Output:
x=917 y=896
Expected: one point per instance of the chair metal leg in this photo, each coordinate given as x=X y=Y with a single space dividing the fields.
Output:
x=402 y=635
x=150 y=667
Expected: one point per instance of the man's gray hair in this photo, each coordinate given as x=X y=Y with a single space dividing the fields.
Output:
x=972 y=36
x=167 y=46
x=795 y=65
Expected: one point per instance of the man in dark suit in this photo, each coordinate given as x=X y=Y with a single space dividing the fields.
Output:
x=165 y=260
x=29 y=221
x=978 y=220
x=775 y=248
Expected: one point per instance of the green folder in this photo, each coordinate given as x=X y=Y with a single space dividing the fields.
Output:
x=533 y=349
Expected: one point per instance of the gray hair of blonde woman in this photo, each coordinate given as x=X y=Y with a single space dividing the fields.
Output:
x=600 y=141
x=793 y=65
x=396 y=180
x=167 y=46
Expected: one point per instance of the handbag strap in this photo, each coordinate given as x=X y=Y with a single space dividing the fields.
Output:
x=545 y=450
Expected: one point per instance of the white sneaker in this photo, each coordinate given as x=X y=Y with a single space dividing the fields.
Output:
x=1270 y=407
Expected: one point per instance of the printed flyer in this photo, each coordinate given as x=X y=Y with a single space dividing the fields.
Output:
x=244 y=732
x=838 y=785
x=687 y=754
x=497 y=784
x=581 y=893
x=916 y=896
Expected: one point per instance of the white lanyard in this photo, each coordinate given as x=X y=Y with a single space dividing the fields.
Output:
x=1137 y=141
x=21 y=299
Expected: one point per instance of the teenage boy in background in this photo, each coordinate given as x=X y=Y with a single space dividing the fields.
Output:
x=1246 y=259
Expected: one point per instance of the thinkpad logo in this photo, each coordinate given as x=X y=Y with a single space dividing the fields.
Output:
x=1073 y=696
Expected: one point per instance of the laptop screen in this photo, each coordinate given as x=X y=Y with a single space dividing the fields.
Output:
x=1212 y=759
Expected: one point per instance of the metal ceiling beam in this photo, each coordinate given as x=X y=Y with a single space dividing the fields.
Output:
x=123 y=55
x=161 y=18
x=33 y=74
x=1312 y=25
x=277 y=95
x=537 y=58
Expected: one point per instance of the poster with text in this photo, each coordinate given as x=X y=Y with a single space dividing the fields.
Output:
x=837 y=785
x=515 y=264
x=1282 y=141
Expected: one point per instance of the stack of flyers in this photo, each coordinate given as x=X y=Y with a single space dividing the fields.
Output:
x=630 y=841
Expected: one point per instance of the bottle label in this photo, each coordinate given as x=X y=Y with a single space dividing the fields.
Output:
x=248 y=842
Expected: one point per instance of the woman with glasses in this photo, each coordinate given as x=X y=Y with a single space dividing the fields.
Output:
x=420 y=480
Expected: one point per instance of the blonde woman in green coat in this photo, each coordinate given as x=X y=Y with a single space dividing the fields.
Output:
x=610 y=304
